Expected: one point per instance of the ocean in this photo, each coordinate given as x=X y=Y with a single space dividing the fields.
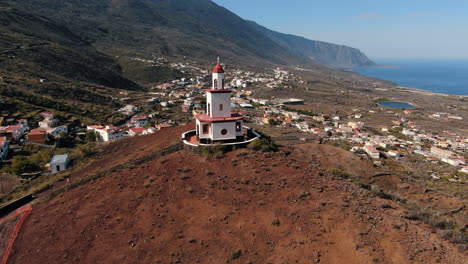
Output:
x=441 y=76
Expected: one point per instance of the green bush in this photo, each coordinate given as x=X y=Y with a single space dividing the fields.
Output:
x=23 y=164
x=339 y=173
x=263 y=144
x=86 y=150
x=448 y=228
x=216 y=150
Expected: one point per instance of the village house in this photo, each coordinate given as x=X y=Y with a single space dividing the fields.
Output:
x=372 y=152
x=163 y=125
x=442 y=143
x=318 y=118
x=345 y=128
x=136 y=131
x=37 y=135
x=59 y=163
x=408 y=132
x=442 y=153
x=128 y=109
x=56 y=131
x=187 y=105
x=464 y=169
x=107 y=133
x=165 y=103
x=165 y=86
x=394 y=153
x=355 y=125
x=138 y=121
x=49 y=120
x=47 y=123
x=15 y=131
x=150 y=130
x=455 y=117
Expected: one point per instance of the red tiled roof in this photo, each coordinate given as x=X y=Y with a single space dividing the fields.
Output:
x=371 y=149
x=218 y=90
x=137 y=130
x=164 y=125
x=139 y=117
x=37 y=131
x=96 y=127
x=206 y=118
x=15 y=127
x=218 y=69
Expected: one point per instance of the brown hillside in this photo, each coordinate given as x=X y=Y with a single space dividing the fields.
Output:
x=246 y=207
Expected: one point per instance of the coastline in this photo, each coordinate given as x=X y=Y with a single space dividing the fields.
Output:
x=426 y=92
x=430 y=77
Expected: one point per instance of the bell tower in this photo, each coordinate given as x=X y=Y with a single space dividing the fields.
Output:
x=218 y=77
x=219 y=125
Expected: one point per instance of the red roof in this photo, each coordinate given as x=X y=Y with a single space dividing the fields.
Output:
x=206 y=118
x=164 y=125
x=11 y=128
x=139 y=117
x=137 y=130
x=96 y=127
x=37 y=131
x=218 y=69
x=218 y=90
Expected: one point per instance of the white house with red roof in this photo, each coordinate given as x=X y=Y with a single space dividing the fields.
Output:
x=4 y=148
x=372 y=151
x=138 y=121
x=15 y=131
x=136 y=131
x=107 y=133
x=218 y=123
x=464 y=169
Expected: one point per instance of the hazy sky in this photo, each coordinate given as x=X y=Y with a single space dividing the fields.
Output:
x=380 y=28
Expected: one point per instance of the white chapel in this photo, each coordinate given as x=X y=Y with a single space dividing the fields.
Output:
x=218 y=123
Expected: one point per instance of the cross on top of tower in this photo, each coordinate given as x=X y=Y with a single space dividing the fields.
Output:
x=218 y=68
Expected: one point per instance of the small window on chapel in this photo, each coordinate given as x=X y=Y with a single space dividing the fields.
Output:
x=221 y=107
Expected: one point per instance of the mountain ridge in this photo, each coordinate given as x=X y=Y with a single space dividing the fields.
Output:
x=183 y=28
x=329 y=54
x=85 y=50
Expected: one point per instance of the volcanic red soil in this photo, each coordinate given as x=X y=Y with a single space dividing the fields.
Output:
x=244 y=207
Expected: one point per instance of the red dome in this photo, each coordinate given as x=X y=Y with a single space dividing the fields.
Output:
x=218 y=69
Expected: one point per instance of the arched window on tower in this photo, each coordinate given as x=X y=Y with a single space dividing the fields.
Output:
x=215 y=84
x=223 y=85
